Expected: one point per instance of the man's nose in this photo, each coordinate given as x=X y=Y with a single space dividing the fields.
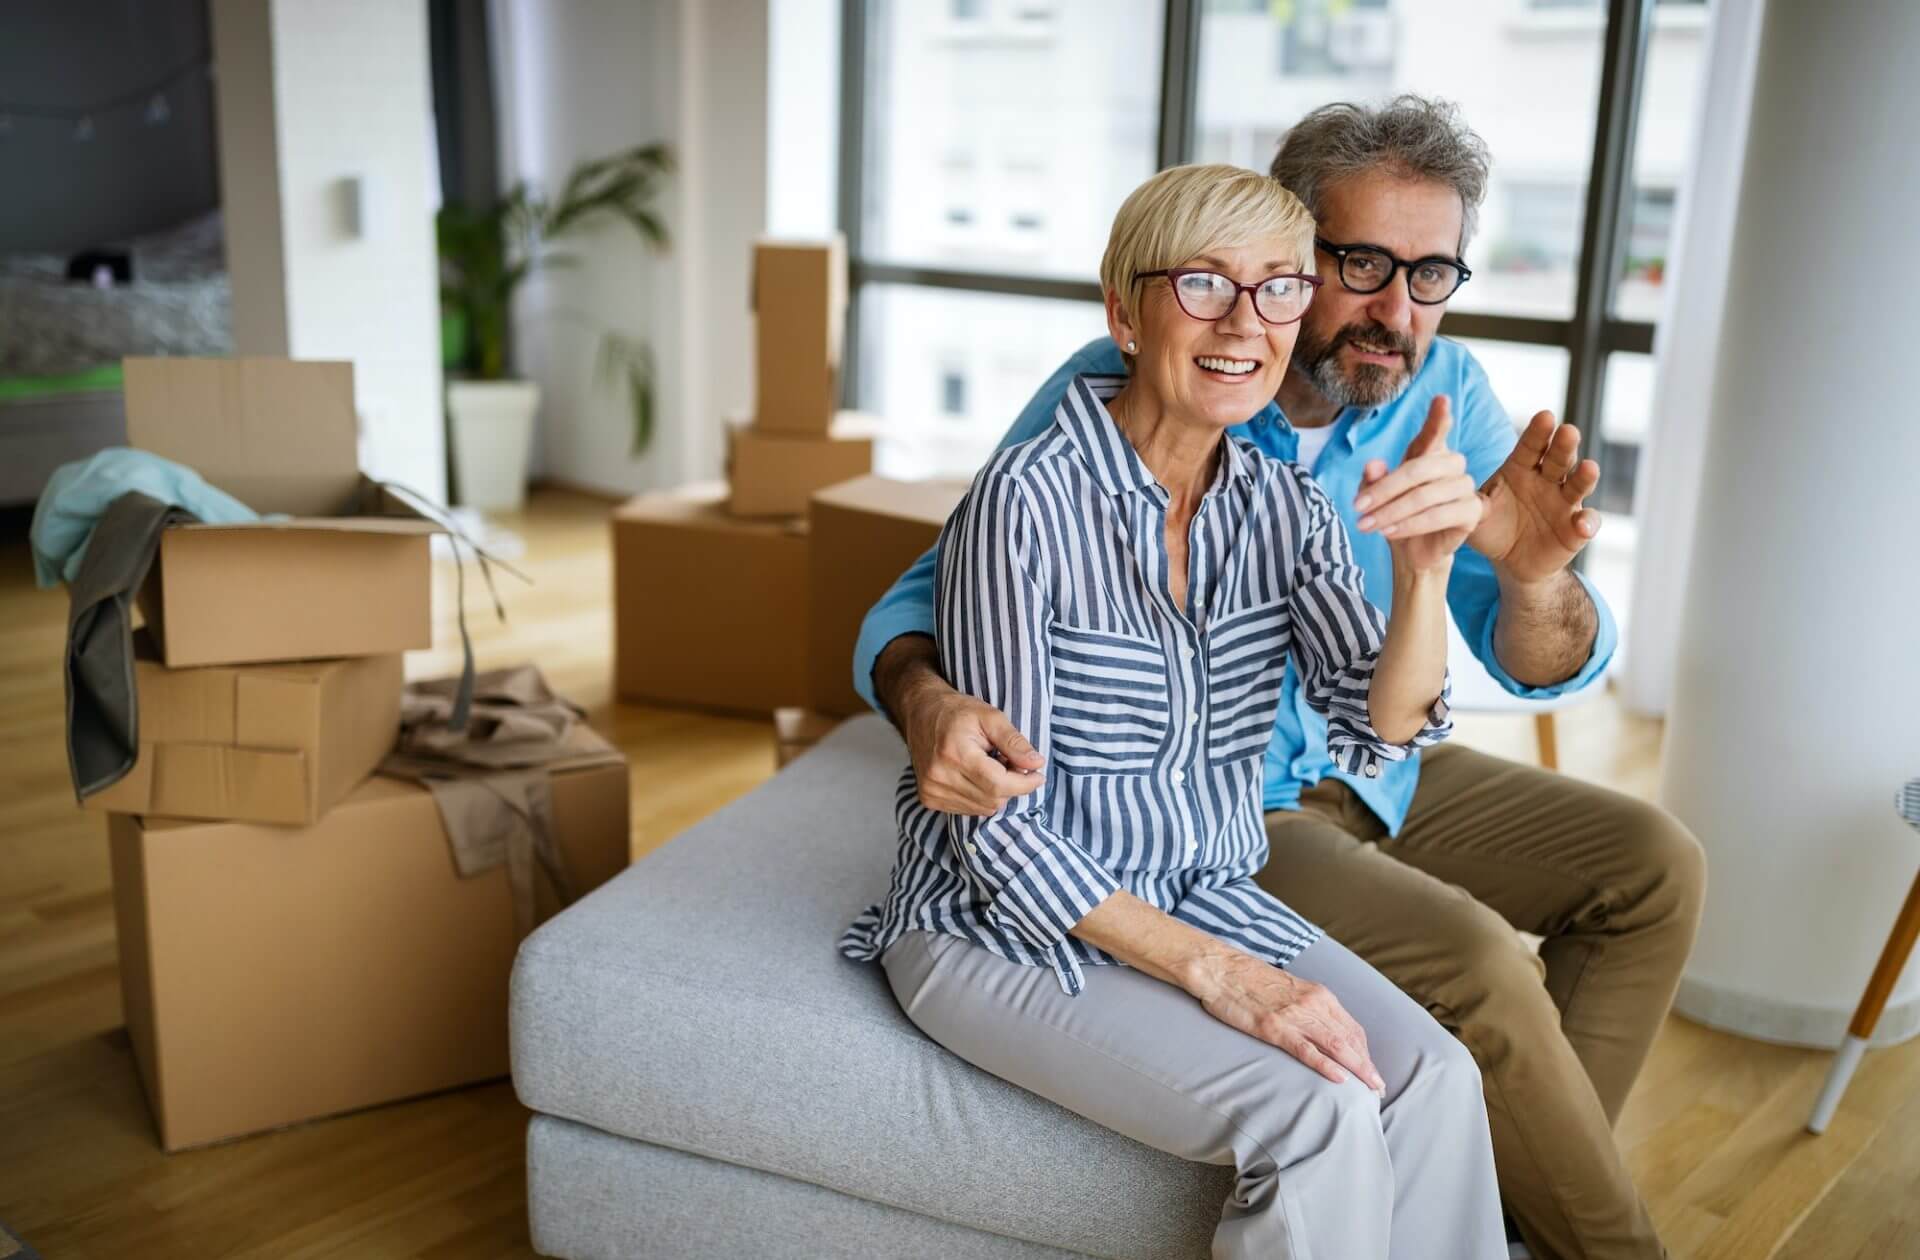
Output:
x=1393 y=305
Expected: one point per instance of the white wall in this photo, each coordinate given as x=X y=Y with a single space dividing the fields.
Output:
x=312 y=93
x=1796 y=711
x=580 y=80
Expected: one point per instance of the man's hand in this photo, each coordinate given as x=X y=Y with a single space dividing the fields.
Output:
x=1534 y=523
x=1426 y=507
x=967 y=757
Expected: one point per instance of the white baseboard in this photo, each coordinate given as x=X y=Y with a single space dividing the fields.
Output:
x=1787 y=1023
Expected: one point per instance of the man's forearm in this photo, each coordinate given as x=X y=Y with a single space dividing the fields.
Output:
x=909 y=662
x=1545 y=630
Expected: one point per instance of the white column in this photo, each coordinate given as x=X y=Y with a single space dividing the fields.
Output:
x=329 y=190
x=1796 y=710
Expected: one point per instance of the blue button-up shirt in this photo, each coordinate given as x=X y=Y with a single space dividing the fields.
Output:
x=1297 y=755
x=1053 y=605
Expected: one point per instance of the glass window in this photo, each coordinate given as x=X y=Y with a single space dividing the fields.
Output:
x=950 y=370
x=1669 y=100
x=1525 y=378
x=1021 y=105
x=1528 y=81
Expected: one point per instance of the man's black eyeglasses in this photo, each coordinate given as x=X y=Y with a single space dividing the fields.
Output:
x=1369 y=269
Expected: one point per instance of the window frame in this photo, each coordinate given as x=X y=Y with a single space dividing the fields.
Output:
x=1589 y=335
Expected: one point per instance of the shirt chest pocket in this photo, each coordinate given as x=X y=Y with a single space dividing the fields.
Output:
x=1110 y=701
x=1246 y=664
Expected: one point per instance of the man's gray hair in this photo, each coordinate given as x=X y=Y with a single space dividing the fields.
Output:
x=1408 y=136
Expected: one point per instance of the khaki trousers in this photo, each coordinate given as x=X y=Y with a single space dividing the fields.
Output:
x=1613 y=884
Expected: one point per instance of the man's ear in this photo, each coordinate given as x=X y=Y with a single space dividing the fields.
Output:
x=1120 y=321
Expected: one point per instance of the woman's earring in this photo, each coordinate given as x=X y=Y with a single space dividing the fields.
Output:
x=1133 y=347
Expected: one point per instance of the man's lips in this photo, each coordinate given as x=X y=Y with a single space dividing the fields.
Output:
x=1371 y=355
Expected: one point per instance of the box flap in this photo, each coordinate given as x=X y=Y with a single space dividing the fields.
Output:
x=277 y=434
x=219 y=781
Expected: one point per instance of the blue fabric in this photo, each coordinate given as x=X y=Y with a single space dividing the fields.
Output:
x=1297 y=754
x=78 y=494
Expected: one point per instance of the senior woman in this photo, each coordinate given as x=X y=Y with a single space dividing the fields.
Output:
x=1127 y=587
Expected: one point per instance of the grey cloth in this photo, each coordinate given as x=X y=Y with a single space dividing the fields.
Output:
x=1323 y=1170
x=593 y=1196
x=103 y=716
x=488 y=776
x=696 y=1002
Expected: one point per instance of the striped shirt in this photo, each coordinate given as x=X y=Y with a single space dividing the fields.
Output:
x=1053 y=606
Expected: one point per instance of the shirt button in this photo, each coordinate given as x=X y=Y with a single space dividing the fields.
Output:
x=1179 y=776
x=1193 y=715
x=1373 y=771
x=1186 y=653
x=971 y=848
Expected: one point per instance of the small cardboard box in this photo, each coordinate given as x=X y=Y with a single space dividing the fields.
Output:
x=277 y=743
x=272 y=975
x=344 y=571
x=708 y=610
x=864 y=535
x=774 y=474
x=800 y=318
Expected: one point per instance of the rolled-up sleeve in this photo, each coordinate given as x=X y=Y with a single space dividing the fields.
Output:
x=992 y=618
x=1337 y=637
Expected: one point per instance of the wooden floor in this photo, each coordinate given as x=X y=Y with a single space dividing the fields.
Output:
x=1714 y=1132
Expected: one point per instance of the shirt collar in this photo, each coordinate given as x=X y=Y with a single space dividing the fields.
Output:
x=1097 y=436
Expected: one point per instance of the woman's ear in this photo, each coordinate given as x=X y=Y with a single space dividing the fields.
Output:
x=1120 y=324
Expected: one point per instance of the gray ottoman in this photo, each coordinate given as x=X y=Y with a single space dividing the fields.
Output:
x=712 y=1079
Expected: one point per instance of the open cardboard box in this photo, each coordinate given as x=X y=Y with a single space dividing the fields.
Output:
x=345 y=569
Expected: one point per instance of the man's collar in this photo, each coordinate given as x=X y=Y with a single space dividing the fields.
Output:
x=1097 y=435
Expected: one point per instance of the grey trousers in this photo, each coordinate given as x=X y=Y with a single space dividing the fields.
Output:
x=1325 y=1171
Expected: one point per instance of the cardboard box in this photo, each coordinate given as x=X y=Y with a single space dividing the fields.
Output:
x=345 y=572
x=796 y=730
x=864 y=535
x=278 y=743
x=708 y=610
x=274 y=975
x=774 y=474
x=800 y=318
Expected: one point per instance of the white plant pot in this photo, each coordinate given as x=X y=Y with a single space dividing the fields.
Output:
x=492 y=434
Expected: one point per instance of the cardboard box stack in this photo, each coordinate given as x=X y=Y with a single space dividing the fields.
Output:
x=294 y=938
x=711 y=580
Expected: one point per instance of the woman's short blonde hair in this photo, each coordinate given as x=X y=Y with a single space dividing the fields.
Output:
x=1184 y=211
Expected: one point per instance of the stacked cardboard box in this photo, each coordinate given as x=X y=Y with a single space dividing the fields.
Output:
x=797 y=440
x=294 y=938
x=711 y=580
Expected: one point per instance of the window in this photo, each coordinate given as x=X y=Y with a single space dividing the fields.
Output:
x=1068 y=122
x=988 y=163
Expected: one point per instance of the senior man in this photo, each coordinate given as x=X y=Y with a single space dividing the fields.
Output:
x=1426 y=869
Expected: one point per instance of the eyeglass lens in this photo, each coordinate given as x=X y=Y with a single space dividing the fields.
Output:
x=1210 y=295
x=1369 y=270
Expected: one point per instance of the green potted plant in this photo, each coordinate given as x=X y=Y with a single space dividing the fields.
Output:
x=485 y=255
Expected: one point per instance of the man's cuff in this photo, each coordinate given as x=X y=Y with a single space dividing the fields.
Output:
x=1606 y=638
x=882 y=626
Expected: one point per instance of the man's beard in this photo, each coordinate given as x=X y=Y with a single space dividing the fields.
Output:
x=1363 y=384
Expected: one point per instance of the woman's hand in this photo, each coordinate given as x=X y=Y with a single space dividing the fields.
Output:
x=1426 y=507
x=1298 y=1016
x=1239 y=990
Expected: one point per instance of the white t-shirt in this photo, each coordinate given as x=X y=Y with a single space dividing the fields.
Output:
x=1312 y=442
